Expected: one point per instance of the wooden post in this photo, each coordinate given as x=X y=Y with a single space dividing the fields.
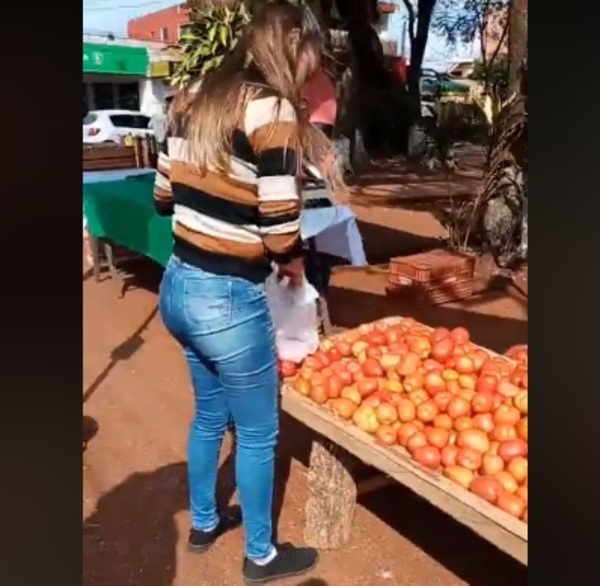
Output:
x=331 y=496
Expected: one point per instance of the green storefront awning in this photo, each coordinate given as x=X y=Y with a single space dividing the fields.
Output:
x=115 y=59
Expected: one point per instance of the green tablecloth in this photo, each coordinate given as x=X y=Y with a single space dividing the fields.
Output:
x=123 y=212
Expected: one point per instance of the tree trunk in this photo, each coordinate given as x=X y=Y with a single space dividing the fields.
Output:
x=517 y=42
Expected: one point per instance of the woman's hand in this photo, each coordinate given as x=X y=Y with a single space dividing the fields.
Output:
x=294 y=270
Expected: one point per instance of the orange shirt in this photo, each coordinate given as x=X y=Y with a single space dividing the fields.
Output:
x=321 y=99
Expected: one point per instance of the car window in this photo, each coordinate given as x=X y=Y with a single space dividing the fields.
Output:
x=89 y=119
x=130 y=121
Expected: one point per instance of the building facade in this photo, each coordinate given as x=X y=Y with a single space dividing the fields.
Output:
x=166 y=25
x=123 y=74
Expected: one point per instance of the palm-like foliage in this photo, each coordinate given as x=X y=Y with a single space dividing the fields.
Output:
x=213 y=31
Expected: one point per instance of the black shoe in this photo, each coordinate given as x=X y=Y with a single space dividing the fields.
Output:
x=289 y=561
x=200 y=541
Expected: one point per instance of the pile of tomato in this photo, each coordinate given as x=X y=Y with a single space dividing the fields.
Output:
x=455 y=407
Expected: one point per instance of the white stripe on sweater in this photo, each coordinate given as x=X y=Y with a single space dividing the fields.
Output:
x=211 y=227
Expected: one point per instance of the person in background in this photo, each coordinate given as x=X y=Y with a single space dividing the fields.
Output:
x=159 y=123
x=321 y=101
x=229 y=176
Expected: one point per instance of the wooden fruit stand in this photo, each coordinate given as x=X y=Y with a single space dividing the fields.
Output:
x=333 y=490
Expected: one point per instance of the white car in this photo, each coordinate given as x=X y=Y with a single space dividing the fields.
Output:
x=114 y=125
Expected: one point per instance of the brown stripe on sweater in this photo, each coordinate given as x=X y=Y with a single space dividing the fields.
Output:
x=278 y=135
x=219 y=245
x=161 y=193
x=161 y=168
x=216 y=184
x=272 y=209
x=281 y=243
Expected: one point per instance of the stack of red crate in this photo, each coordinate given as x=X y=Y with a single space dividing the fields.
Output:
x=432 y=278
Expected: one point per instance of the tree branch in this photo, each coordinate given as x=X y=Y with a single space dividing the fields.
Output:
x=411 y=19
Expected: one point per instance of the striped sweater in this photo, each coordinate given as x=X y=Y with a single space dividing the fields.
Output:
x=236 y=223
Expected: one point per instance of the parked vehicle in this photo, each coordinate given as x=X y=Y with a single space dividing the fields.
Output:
x=113 y=125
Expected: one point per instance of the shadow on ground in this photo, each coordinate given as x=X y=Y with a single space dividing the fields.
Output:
x=131 y=537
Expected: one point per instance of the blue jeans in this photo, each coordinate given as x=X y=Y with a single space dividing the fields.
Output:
x=225 y=329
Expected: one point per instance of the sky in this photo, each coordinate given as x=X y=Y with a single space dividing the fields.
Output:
x=104 y=16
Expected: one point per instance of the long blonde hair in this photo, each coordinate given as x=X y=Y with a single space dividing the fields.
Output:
x=267 y=55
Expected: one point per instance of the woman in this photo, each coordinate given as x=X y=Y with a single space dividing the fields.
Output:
x=230 y=179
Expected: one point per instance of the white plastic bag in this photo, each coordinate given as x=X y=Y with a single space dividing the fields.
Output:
x=294 y=313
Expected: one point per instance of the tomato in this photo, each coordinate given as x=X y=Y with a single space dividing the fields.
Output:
x=413 y=382
x=482 y=402
x=302 y=385
x=464 y=365
x=343 y=408
x=393 y=335
x=444 y=421
x=439 y=334
x=453 y=387
x=462 y=423
x=434 y=383
x=313 y=363
x=507 y=480
x=406 y=410
x=386 y=414
x=386 y=435
x=462 y=476
x=442 y=400
x=511 y=449
x=372 y=401
x=318 y=393
x=374 y=352
x=458 y=407
x=334 y=386
x=389 y=361
x=420 y=345
x=473 y=438
x=518 y=353
x=306 y=372
x=449 y=453
x=419 y=396
x=351 y=393
x=416 y=441
x=442 y=350
x=431 y=365
x=519 y=377
x=484 y=422
x=507 y=389
x=394 y=387
x=469 y=458
x=486 y=383
x=367 y=386
x=437 y=436
x=486 y=487
x=521 y=427
x=344 y=348
x=520 y=402
x=353 y=367
x=503 y=432
x=491 y=465
x=409 y=364
x=345 y=377
x=511 y=504
x=322 y=358
x=371 y=368
x=376 y=339
x=460 y=336
x=478 y=357
x=427 y=456
x=406 y=431
x=365 y=419
x=518 y=468
x=287 y=368
x=427 y=411
x=450 y=374
x=507 y=415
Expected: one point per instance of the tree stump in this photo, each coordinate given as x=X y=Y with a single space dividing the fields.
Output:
x=331 y=496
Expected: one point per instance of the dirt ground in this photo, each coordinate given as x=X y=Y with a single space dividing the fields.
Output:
x=137 y=405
